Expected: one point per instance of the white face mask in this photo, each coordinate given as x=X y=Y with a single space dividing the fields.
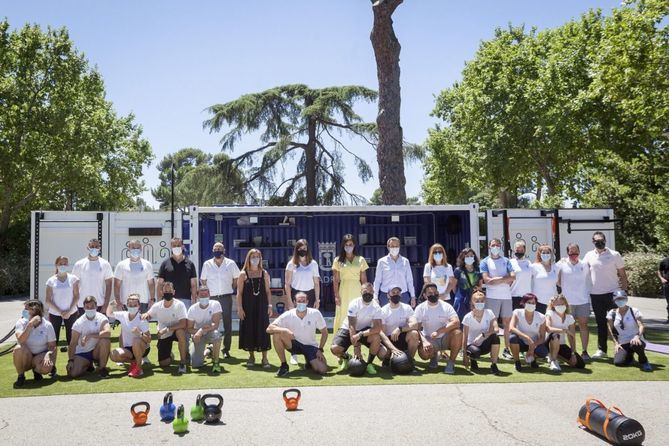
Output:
x=561 y=308
x=530 y=308
x=438 y=257
x=394 y=251
x=135 y=253
x=469 y=260
x=63 y=269
x=177 y=250
x=495 y=250
x=546 y=258
x=133 y=310
x=479 y=305
x=93 y=252
x=255 y=261
x=349 y=249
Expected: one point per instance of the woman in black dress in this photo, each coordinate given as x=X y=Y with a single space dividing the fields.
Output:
x=254 y=308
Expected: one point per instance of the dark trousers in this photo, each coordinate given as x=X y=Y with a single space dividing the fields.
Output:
x=665 y=288
x=625 y=356
x=57 y=321
x=226 y=319
x=601 y=304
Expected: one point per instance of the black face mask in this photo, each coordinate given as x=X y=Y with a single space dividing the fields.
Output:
x=520 y=255
x=432 y=297
x=302 y=253
x=367 y=297
x=168 y=296
x=600 y=244
x=394 y=298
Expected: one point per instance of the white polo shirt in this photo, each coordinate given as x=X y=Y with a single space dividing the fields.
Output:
x=135 y=278
x=303 y=276
x=604 y=270
x=531 y=329
x=477 y=327
x=499 y=267
x=62 y=293
x=557 y=322
x=304 y=329
x=92 y=275
x=85 y=327
x=544 y=283
x=575 y=281
x=364 y=314
x=39 y=337
x=203 y=316
x=435 y=317
x=523 y=283
x=219 y=278
x=629 y=322
x=393 y=318
x=439 y=275
x=167 y=317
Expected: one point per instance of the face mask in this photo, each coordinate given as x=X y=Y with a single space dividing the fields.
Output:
x=63 y=269
x=168 y=296
x=93 y=252
x=561 y=308
x=573 y=256
x=218 y=254
x=177 y=250
x=349 y=249
x=520 y=255
x=25 y=315
x=367 y=297
x=546 y=258
x=432 y=297
x=438 y=257
x=90 y=314
x=204 y=301
x=600 y=244
x=135 y=253
x=302 y=253
x=255 y=261
x=301 y=307
x=479 y=305
x=394 y=298
x=621 y=302
x=495 y=250
x=394 y=251
x=133 y=310
x=469 y=260
x=530 y=307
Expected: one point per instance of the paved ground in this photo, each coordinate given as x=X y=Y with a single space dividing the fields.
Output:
x=495 y=414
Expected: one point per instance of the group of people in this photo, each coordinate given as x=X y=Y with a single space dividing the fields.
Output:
x=539 y=304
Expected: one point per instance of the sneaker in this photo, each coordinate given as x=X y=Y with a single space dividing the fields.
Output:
x=53 y=373
x=251 y=362
x=474 y=364
x=518 y=366
x=207 y=352
x=371 y=370
x=103 y=372
x=266 y=365
x=135 y=371
x=646 y=367
x=293 y=359
x=554 y=366
x=146 y=361
x=226 y=355
x=283 y=370
x=20 y=380
x=585 y=356
x=494 y=369
x=450 y=368
x=599 y=354
x=506 y=354
x=182 y=369
x=63 y=349
x=534 y=364
x=434 y=362
x=216 y=368
x=37 y=376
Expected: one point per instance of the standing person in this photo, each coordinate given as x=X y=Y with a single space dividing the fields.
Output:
x=220 y=274
x=574 y=280
x=479 y=335
x=560 y=327
x=134 y=333
x=95 y=277
x=468 y=279
x=62 y=295
x=607 y=274
x=203 y=319
x=521 y=266
x=392 y=271
x=663 y=274
x=35 y=344
x=90 y=342
x=349 y=271
x=626 y=329
x=295 y=330
x=302 y=275
x=498 y=276
x=528 y=332
x=438 y=271
x=544 y=277
x=134 y=275
x=254 y=308
x=440 y=329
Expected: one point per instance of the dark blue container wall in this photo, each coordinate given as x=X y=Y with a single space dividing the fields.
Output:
x=324 y=231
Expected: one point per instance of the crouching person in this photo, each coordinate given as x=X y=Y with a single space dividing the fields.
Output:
x=134 y=333
x=36 y=348
x=480 y=334
x=295 y=331
x=90 y=342
x=203 y=320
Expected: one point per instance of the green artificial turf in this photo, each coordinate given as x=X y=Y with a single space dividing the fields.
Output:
x=236 y=374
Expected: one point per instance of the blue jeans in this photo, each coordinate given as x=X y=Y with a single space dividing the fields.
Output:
x=404 y=298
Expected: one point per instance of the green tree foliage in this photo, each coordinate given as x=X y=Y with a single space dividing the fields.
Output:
x=296 y=123
x=565 y=113
x=183 y=160
x=61 y=143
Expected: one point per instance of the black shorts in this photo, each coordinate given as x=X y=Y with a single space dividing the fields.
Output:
x=309 y=351
x=129 y=350
x=401 y=342
x=165 y=347
x=475 y=351
x=343 y=338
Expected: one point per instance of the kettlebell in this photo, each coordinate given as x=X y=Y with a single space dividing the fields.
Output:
x=197 y=411
x=180 y=423
x=212 y=412
x=168 y=408
x=140 y=417
x=291 y=401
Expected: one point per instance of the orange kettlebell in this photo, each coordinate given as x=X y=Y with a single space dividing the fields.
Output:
x=140 y=417
x=291 y=401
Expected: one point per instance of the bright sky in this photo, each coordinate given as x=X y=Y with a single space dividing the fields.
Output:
x=166 y=61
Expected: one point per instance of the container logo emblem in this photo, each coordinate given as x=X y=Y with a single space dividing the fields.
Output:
x=327 y=251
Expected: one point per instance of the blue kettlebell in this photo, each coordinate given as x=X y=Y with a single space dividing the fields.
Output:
x=168 y=409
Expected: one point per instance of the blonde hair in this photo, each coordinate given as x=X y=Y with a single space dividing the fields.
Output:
x=554 y=299
x=247 y=261
x=543 y=247
x=430 y=258
x=133 y=296
x=476 y=295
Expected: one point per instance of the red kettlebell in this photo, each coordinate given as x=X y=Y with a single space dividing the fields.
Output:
x=291 y=401
x=140 y=417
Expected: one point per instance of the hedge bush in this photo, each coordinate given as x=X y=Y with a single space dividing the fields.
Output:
x=641 y=270
x=14 y=275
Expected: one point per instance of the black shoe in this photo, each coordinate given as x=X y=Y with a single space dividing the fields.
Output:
x=534 y=364
x=104 y=372
x=226 y=355
x=53 y=373
x=474 y=364
x=307 y=366
x=20 y=380
x=494 y=369
x=37 y=376
x=518 y=366
x=63 y=349
x=91 y=368
x=283 y=370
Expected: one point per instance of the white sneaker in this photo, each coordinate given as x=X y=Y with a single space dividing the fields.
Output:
x=293 y=359
x=145 y=361
x=599 y=355
x=553 y=366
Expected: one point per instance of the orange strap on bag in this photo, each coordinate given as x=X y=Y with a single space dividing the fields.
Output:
x=606 y=421
x=586 y=422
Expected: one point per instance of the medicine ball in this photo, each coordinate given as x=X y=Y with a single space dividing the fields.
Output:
x=356 y=367
x=401 y=364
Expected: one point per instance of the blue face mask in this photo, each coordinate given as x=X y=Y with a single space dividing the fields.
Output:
x=495 y=250
x=133 y=310
x=91 y=313
x=93 y=252
x=438 y=257
x=301 y=307
x=135 y=253
x=25 y=315
x=546 y=258
x=204 y=301
x=621 y=302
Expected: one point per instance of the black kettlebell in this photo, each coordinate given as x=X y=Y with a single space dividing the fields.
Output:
x=212 y=412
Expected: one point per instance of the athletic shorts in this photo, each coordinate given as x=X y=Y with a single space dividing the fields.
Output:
x=540 y=351
x=401 y=342
x=580 y=310
x=88 y=356
x=144 y=355
x=565 y=351
x=165 y=347
x=343 y=338
x=309 y=351
x=500 y=307
x=475 y=351
x=441 y=343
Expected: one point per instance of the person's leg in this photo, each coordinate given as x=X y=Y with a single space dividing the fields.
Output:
x=56 y=321
x=215 y=338
x=226 y=320
x=22 y=359
x=165 y=351
x=473 y=351
x=514 y=346
x=601 y=303
x=197 y=352
x=505 y=313
x=553 y=347
x=583 y=330
x=282 y=342
x=69 y=322
x=101 y=352
x=187 y=303
x=494 y=348
x=454 y=343
x=123 y=355
x=506 y=321
x=138 y=349
x=413 y=342
x=38 y=364
x=427 y=351
x=78 y=367
x=311 y=356
x=640 y=350
x=183 y=346
x=341 y=343
x=665 y=288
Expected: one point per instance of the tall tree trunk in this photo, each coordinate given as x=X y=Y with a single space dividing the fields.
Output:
x=540 y=186
x=310 y=163
x=389 y=150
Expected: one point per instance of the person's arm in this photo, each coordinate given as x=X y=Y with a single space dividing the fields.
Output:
x=378 y=278
x=191 y=326
x=75 y=299
x=335 y=285
x=452 y=284
x=375 y=329
x=453 y=323
x=465 y=336
x=275 y=327
x=74 y=340
x=363 y=277
x=571 y=336
x=324 y=338
x=22 y=336
x=622 y=274
x=240 y=292
x=193 y=290
x=662 y=279
x=317 y=291
x=551 y=329
x=288 y=282
x=559 y=278
x=492 y=329
x=213 y=325
x=427 y=274
x=49 y=296
x=269 y=294
x=160 y=287
x=412 y=324
x=50 y=357
x=117 y=290
x=386 y=342
x=541 y=339
x=109 y=282
x=352 y=320
x=408 y=274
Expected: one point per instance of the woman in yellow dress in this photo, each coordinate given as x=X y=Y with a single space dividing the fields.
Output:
x=349 y=270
